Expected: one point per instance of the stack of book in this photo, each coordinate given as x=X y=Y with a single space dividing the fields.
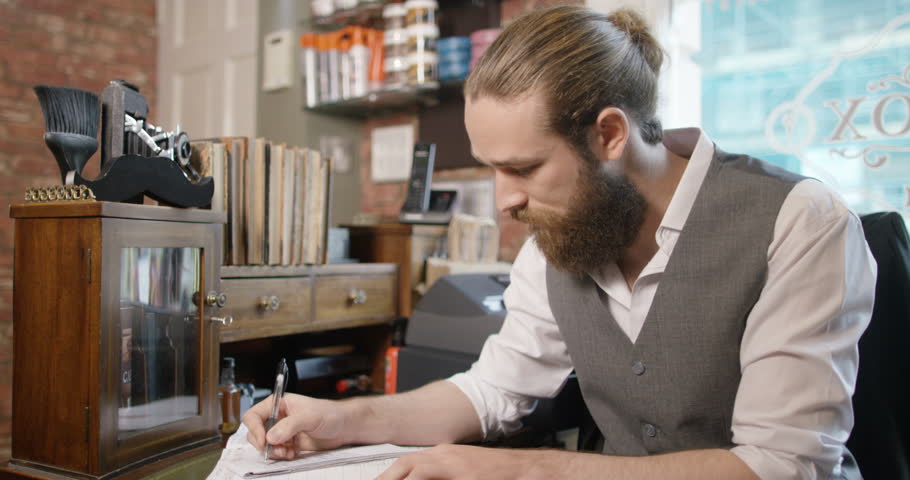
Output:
x=276 y=198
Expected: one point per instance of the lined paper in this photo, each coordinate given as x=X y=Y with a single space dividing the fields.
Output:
x=241 y=461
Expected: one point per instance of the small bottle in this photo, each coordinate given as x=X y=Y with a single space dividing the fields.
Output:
x=308 y=68
x=360 y=62
x=377 y=59
x=334 y=65
x=229 y=396
x=323 y=73
x=345 y=64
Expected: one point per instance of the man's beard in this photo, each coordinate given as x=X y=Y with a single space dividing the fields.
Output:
x=604 y=216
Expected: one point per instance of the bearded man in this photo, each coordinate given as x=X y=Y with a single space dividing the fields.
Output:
x=709 y=303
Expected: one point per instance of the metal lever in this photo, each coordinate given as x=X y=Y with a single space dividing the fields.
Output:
x=225 y=321
x=271 y=303
x=357 y=296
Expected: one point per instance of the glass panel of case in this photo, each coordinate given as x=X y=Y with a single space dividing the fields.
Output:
x=159 y=325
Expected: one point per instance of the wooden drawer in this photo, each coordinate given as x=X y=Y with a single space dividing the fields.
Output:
x=352 y=300
x=255 y=319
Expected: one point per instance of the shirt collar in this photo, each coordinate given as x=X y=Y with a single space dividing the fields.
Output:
x=694 y=144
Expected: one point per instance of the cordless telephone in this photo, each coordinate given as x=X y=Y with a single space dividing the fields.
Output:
x=419 y=206
x=418 y=199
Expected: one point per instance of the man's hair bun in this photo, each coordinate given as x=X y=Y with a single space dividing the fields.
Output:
x=632 y=23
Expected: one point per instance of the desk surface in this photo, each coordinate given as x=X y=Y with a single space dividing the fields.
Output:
x=195 y=468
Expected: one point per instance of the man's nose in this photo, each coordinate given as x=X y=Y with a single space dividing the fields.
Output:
x=508 y=195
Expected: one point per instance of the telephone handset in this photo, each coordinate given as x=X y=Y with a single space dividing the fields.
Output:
x=418 y=199
x=419 y=206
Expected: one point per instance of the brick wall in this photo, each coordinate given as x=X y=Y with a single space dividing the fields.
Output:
x=82 y=44
x=386 y=199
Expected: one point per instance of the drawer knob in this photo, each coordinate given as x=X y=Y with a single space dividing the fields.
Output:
x=215 y=299
x=225 y=321
x=357 y=296
x=269 y=303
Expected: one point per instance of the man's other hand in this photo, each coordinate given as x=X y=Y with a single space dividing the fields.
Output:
x=468 y=462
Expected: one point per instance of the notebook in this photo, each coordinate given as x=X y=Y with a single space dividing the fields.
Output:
x=241 y=461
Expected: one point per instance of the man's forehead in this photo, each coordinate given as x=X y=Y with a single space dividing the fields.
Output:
x=507 y=131
x=530 y=105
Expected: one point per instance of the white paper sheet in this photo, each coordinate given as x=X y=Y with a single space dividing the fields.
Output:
x=241 y=458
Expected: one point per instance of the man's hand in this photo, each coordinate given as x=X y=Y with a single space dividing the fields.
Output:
x=433 y=414
x=465 y=462
x=304 y=424
x=460 y=462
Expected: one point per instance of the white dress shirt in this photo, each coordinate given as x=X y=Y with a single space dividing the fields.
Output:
x=798 y=354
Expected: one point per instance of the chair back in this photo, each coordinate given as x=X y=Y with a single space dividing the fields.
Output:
x=880 y=440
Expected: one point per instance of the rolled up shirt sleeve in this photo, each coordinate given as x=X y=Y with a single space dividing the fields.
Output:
x=526 y=360
x=798 y=354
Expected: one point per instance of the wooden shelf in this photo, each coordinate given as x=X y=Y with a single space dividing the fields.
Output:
x=268 y=271
x=382 y=101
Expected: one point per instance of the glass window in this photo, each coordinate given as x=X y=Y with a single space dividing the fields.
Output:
x=820 y=87
x=159 y=323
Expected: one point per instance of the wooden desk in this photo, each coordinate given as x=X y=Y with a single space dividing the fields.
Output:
x=275 y=308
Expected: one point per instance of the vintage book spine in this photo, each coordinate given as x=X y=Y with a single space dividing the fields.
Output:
x=287 y=204
x=300 y=189
x=318 y=180
x=256 y=202
x=219 y=200
x=235 y=165
x=275 y=208
x=237 y=168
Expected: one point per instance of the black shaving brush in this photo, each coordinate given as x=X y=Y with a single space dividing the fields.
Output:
x=71 y=123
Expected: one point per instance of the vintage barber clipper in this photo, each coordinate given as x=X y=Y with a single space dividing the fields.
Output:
x=136 y=157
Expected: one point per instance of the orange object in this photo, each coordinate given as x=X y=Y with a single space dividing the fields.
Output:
x=358 y=35
x=377 y=58
x=343 y=43
x=322 y=42
x=308 y=40
x=391 y=370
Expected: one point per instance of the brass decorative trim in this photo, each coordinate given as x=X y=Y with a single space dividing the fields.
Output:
x=59 y=193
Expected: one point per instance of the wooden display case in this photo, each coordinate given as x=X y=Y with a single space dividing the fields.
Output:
x=115 y=338
x=101 y=288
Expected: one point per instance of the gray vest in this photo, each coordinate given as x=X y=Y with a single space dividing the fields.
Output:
x=674 y=388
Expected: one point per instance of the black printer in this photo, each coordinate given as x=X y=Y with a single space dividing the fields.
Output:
x=447 y=330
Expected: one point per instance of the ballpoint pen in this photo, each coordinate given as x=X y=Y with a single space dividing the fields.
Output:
x=281 y=382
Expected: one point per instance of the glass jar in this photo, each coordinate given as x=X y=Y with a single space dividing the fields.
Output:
x=422 y=39
x=322 y=8
x=396 y=71
x=421 y=12
x=395 y=43
x=345 y=4
x=393 y=16
x=422 y=68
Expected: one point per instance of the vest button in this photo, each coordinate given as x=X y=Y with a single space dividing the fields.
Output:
x=638 y=368
x=649 y=430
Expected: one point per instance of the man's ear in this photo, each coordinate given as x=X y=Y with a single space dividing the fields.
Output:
x=612 y=133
